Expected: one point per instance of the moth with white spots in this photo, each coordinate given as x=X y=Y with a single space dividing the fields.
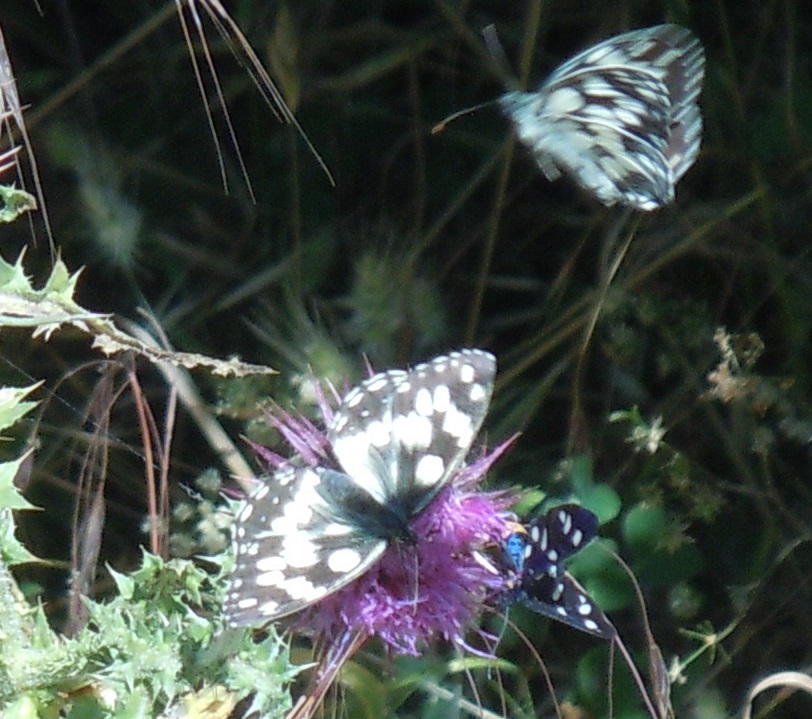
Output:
x=621 y=118
x=536 y=552
x=398 y=438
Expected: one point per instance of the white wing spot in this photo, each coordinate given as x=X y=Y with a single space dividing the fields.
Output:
x=378 y=434
x=302 y=588
x=423 y=403
x=271 y=564
x=269 y=608
x=413 y=431
x=298 y=551
x=429 y=469
x=458 y=424
x=270 y=579
x=375 y=384
x=285 y=477
x=335 y=529
x=566 y=521
x=343 y=560
x=565 y=100
x=353 y=399
x=477 y=393
x=442 y=398
x=467 y=373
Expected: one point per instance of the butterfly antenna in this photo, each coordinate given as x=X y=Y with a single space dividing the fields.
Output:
x=497 y=52
x=441 y=126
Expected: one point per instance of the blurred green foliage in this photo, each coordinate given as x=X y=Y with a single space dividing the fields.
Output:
x=690 y=442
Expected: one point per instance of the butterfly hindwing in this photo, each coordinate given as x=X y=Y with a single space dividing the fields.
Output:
x=561 y=598
x=621 y=117
x=291 y=548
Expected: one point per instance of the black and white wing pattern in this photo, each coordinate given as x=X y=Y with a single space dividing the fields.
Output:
x=536 y=553
x=621 y=118
x=397 y=439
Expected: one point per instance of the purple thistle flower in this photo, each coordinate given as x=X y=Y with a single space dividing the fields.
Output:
x=436 y=587
x=378 y=528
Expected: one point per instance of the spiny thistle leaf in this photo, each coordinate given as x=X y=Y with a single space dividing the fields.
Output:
x=13 y=408
x=15 y=202
x=53 y=307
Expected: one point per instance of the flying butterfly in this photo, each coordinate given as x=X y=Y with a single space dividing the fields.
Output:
x=621 y=117
x=396 y=441
x=536 y=552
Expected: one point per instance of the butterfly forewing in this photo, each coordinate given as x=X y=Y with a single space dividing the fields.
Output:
x=397 y=439
x=400 y=435
x=621 y=117
x=557 y=535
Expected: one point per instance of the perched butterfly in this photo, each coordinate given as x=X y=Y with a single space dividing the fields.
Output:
x=396 y=441
x=621 y=117
x=536 y=552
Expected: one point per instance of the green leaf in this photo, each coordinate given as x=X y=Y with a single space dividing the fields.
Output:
x=15 y=203
x=603 y=501
x=12 y=408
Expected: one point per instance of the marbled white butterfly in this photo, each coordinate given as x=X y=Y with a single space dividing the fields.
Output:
x=396 y=440
x=536 y=552
x=621 y=117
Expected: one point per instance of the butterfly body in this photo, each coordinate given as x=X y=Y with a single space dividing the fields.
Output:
x=394 y=442
x=621 y=117
x=536 y=553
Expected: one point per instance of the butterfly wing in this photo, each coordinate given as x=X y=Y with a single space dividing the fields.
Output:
x=294 y=546
x=557 y=535
x=561 y=598
x=543 y=584
x=400 y=435
x=621 y=117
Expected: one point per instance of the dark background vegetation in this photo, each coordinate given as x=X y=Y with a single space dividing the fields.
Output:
x=429 y=243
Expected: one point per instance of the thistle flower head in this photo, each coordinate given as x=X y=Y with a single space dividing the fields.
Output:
x=432 y=584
